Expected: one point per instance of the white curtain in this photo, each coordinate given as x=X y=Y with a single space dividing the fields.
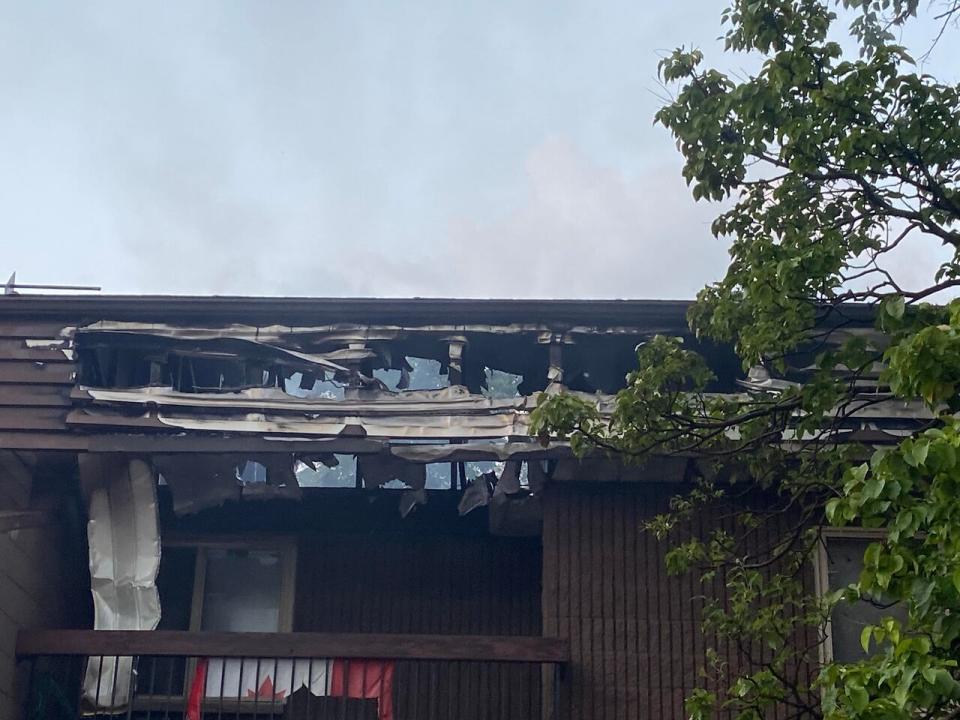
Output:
x=124 y=541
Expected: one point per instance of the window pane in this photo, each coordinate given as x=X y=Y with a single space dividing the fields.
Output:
x=343 y=474
x=241 y=591
x=845 y=562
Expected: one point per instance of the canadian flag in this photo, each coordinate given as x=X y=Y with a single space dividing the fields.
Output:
x=372 y=679
x=273 y=680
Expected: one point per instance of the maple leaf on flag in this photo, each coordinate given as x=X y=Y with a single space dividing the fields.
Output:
x=266 y=691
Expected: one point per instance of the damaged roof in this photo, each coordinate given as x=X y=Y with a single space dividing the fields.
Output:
x=435 y=370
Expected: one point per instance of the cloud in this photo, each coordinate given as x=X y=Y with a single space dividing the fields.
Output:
x=351 y=149
x=577 y=229
x=581 y=230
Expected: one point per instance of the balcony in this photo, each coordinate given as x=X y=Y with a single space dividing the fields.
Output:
x=173 y=675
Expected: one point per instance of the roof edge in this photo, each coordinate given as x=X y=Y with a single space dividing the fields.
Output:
x=308 y=310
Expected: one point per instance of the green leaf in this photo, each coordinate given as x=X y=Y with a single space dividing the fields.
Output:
x=873 y=487
x=916 y=453
x=858 y=696
x=831 y=509
x=894 y=306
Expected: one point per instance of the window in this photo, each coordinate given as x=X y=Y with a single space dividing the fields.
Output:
x=242 y=590
x=238 y=585
x=341 y=472
x=219 y=585
x=840 y=564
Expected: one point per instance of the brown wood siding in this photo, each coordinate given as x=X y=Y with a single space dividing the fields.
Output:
x=635 y=636
x=361 y=567
x=431 y=584
x=35 y=383
x=418 y=584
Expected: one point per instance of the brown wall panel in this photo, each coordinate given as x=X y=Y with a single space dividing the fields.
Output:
x=32 y=418
x=431 y=584
x=34 y=382
x=24 y=328
x=630 y=626
x=635 y=632
x=34 y=396
x=18 y=349
x=28 y=373
x=38 y=583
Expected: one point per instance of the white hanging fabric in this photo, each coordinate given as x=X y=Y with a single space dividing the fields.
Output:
x=124 y=541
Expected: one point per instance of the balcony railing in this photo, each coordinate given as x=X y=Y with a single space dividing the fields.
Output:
x=166 y=675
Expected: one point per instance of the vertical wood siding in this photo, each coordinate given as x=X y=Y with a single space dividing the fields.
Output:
x=431 y=584
x=635 y=634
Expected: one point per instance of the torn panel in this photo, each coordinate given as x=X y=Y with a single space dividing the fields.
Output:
x=267 y=477
x=445 y=413
x=378 y=470
x=509 y=481
x=124 y=546
x=314 y=386
x=388 y=426
x=435 y=400
x=480 y=451
x=410 y=499
x=536 y=475
x=511 y=516
x=477 y=494
x=205 y=480
x=198 y=482
x=222 y=345
x=439 y=475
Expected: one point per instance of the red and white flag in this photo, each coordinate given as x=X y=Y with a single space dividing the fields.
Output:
x=369 y=679
x=270 y=680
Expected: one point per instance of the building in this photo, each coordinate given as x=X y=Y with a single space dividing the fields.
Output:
x=332 y=508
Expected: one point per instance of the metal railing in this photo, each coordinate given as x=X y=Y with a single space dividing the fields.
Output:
x=165 y=675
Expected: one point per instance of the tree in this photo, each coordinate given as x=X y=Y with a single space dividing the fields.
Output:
x=833 y=165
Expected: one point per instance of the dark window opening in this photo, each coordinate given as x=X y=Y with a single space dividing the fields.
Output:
x=188 y=373
x=166 y=675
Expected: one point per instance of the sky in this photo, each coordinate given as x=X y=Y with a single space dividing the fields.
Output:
x=425 y=148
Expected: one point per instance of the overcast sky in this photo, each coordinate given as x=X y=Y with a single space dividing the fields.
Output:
x=351 y=148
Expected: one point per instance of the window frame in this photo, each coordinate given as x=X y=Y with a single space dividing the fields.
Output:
x=286 y=545
x=822 y=573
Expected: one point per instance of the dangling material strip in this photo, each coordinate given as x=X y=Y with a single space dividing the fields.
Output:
x=124 y=542
x=197 y=688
